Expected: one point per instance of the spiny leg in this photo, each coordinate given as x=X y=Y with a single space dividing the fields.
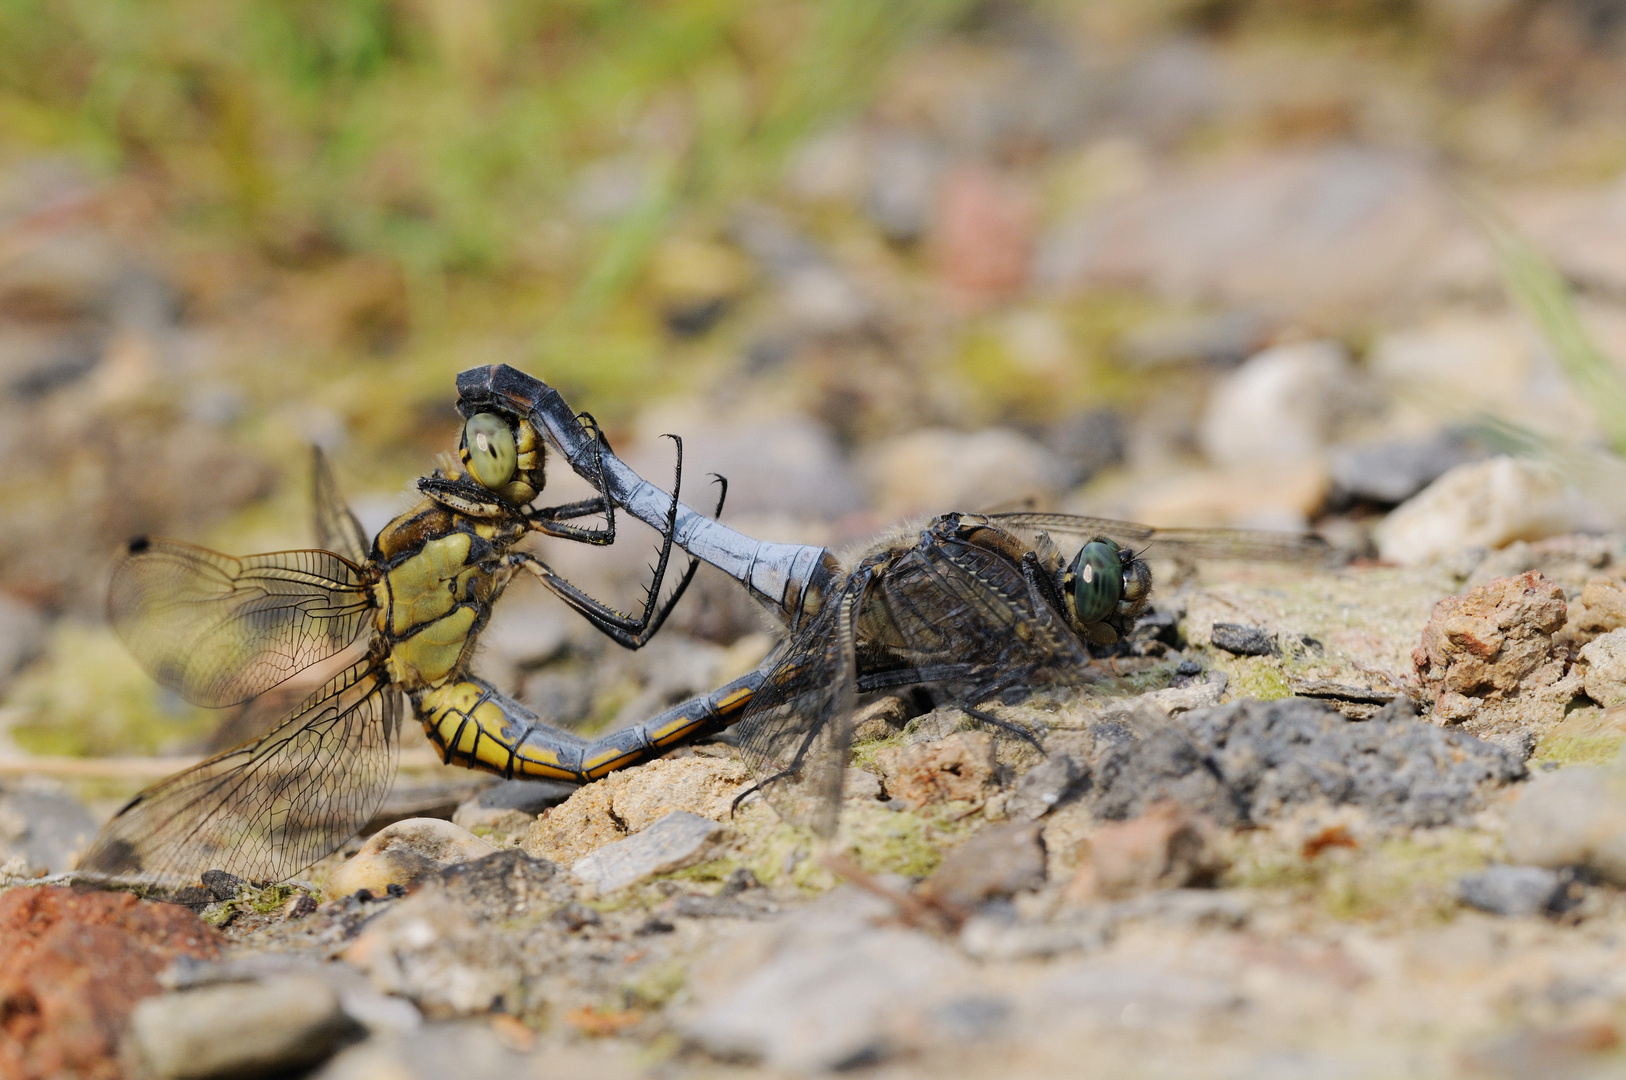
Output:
x=983 y=693
x=547 y=520
x=625 y=630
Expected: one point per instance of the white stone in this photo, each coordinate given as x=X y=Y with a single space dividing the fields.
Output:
x=1483 y=504
x=677 y=840
x=1605 y=660
x=1281 y=405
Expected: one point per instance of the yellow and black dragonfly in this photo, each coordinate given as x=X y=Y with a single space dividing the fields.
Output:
x=221 y=630
x=971 y=605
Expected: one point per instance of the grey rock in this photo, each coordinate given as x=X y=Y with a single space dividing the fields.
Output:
x=974 y=1018
x=1224 y=338
x=1249 y=761
x=675 y=841
x=1390 y=472
x=224 y=886
x=1046 y=786
x=366 y=1006
x=816 y=296
x=1197 y=694
x=435 y=951
x=240 y=1029
x=43 y=826
x=905 y=169
x=504 y=885
x=998 y=862
x=1511 y=890
x=465 y=1050
x=814 y=1008
x=1241 y=640
x=1573 y=817
x=992 y=937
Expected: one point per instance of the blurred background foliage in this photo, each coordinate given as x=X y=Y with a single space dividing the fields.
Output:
x=440 y=139
x=231 y=229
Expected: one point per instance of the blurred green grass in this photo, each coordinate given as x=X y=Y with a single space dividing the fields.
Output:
x=447 y=138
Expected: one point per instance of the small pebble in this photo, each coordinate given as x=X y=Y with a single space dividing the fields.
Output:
x=221 y=885
x=240 y=1029
x=399 y=855
x=299 y=905
x=1242 y=640
x=1512 y=890
x=576 y=916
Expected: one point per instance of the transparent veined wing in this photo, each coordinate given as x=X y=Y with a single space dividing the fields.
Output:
x=337 y=529
x=796 y=732
x=271 y=807
x=220 y=630
x=1257 y=544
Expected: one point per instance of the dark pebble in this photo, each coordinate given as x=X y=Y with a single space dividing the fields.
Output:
x=1242 y=640
x=221 y=885
x=574 y=916
x=739 y=881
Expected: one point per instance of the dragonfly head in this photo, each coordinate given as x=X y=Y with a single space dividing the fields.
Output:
x=1105 y=580
x=1095 y=580
x=504 y=455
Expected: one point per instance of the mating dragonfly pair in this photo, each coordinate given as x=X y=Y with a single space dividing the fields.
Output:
x=972 y=605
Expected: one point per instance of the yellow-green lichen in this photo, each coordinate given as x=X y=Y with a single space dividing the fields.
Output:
x=654 y=985
x=1405 y=877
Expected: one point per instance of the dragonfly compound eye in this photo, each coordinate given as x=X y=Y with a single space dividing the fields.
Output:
x=1098 y=581
x=488 y=444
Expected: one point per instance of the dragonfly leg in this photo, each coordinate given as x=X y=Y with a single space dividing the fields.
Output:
x=548 y=520
x=626 y=630
x=1042 y=585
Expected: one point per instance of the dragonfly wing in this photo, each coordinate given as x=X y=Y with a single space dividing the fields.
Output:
x=337 y=529
x=796 y=732
x=1175 y=542
x=271 y=807
x=956 y=603
x=220 y=630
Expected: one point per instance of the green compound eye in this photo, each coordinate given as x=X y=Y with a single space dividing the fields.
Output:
x=1098 y=581
x=489 y=443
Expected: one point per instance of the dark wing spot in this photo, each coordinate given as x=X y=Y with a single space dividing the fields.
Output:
x=139 y=544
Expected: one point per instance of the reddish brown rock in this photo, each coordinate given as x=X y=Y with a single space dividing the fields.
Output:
x=1491 y=644
x=958 y=768
x=984 y=235
x=1168 y=847
x=73 y=965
